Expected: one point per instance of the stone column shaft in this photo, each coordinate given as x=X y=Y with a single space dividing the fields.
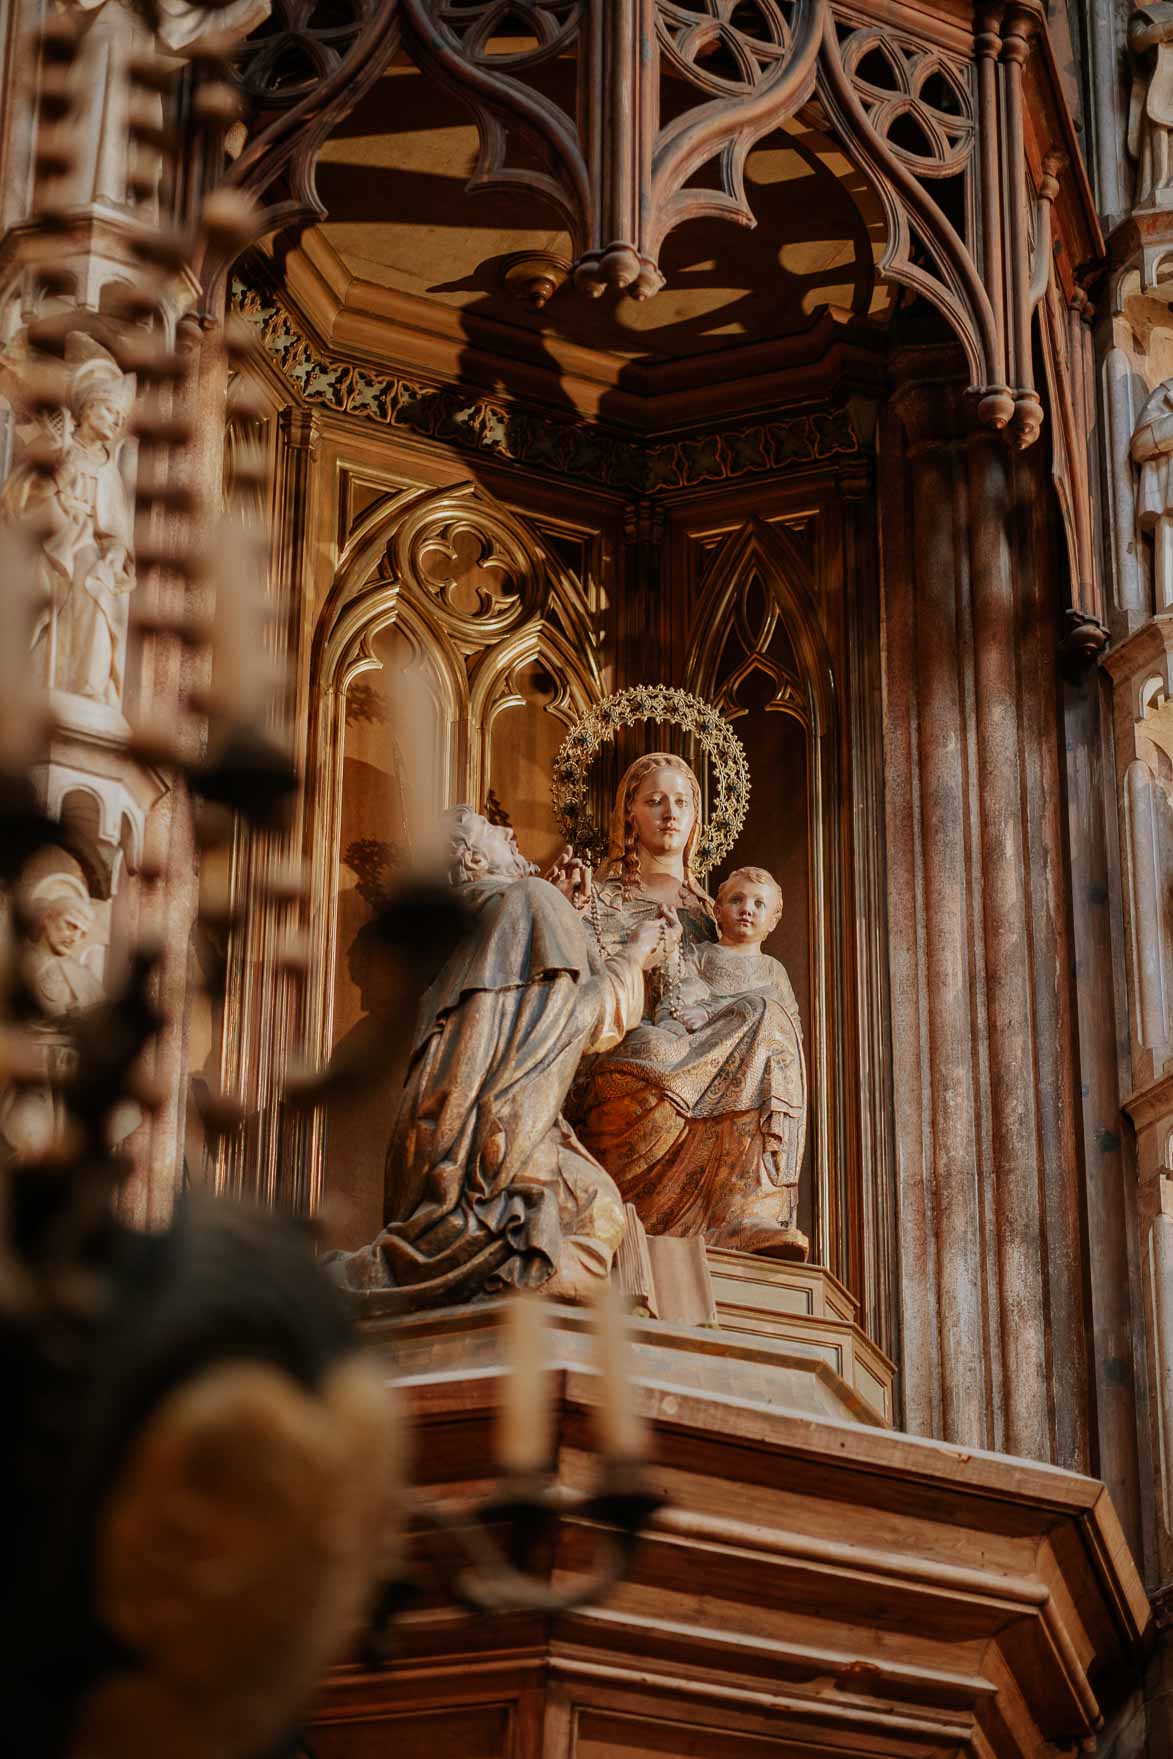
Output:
x=1008 y=954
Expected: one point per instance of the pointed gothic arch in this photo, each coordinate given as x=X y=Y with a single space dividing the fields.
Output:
x=477 y=596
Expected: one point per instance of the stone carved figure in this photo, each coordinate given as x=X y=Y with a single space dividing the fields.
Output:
x=86 y=551
x=31 y=1115
x=60 y=981
x=1152 y=452
x=1150 y=117
x=115 y=32
x=703 y=1134
x=1147 y=848
x=652 y=838
x=487 y=1184
x=734 y=987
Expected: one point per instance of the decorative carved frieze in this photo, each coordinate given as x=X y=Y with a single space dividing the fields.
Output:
x=550 y=443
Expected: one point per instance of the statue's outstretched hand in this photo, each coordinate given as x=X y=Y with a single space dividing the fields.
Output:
x=572 y=878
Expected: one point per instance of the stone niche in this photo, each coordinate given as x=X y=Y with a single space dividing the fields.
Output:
x=816 y=1583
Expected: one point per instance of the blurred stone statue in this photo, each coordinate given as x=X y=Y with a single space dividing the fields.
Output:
x=31 y=1114
x=1152 y=451
x=57 y=977
x=115 y=33
x=487 y=1184
x=86 y=567
x=1150 y=117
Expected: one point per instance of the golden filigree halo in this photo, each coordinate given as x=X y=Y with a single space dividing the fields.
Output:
x=653 y=702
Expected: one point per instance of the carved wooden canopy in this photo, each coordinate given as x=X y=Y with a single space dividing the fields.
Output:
x=630 y=117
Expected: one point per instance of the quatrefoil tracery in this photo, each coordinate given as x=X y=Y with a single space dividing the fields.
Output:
x=479 y=25
x=691 y=34
x=897 y=80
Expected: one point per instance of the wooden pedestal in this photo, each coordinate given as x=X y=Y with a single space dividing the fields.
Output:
x=817 y=1583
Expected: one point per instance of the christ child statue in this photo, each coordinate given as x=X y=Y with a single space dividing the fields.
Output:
x=742 y=1061
x=748 y=909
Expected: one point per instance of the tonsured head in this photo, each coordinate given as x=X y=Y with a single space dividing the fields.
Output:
x=479 y=850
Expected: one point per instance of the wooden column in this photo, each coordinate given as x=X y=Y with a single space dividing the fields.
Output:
x=984 y=1053
x=877 y=1222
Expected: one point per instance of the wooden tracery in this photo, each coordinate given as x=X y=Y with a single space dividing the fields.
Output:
x=940 y=135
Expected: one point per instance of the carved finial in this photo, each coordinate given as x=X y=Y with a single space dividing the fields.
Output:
x=535 y=276
x=1084 y=640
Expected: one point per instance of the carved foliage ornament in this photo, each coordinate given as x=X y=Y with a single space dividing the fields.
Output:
x=653 y=702
x=499 y=427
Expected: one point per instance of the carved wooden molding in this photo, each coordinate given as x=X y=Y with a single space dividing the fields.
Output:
x=332 y=68
x=505 y=429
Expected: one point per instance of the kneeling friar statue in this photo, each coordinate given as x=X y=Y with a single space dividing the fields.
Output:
x=487 y=1184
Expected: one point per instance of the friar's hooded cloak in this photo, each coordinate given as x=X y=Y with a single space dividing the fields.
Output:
x=487 y=1185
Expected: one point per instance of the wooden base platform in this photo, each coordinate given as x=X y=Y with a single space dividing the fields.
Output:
x=816 y=1584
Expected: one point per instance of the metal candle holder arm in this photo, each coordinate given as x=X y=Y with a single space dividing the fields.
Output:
x=487 y=1556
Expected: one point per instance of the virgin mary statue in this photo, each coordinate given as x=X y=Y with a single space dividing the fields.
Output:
x=702 y=1130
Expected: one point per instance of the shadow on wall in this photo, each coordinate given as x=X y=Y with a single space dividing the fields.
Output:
x=359 y=1123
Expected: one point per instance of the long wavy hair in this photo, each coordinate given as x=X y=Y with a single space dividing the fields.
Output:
x=623 y=841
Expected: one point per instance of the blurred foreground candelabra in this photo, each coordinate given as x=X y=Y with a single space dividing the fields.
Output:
x=492 y=1556
x=202 y=1470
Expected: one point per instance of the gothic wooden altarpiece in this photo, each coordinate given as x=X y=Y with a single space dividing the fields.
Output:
x=585 y=540
x=841 y=488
